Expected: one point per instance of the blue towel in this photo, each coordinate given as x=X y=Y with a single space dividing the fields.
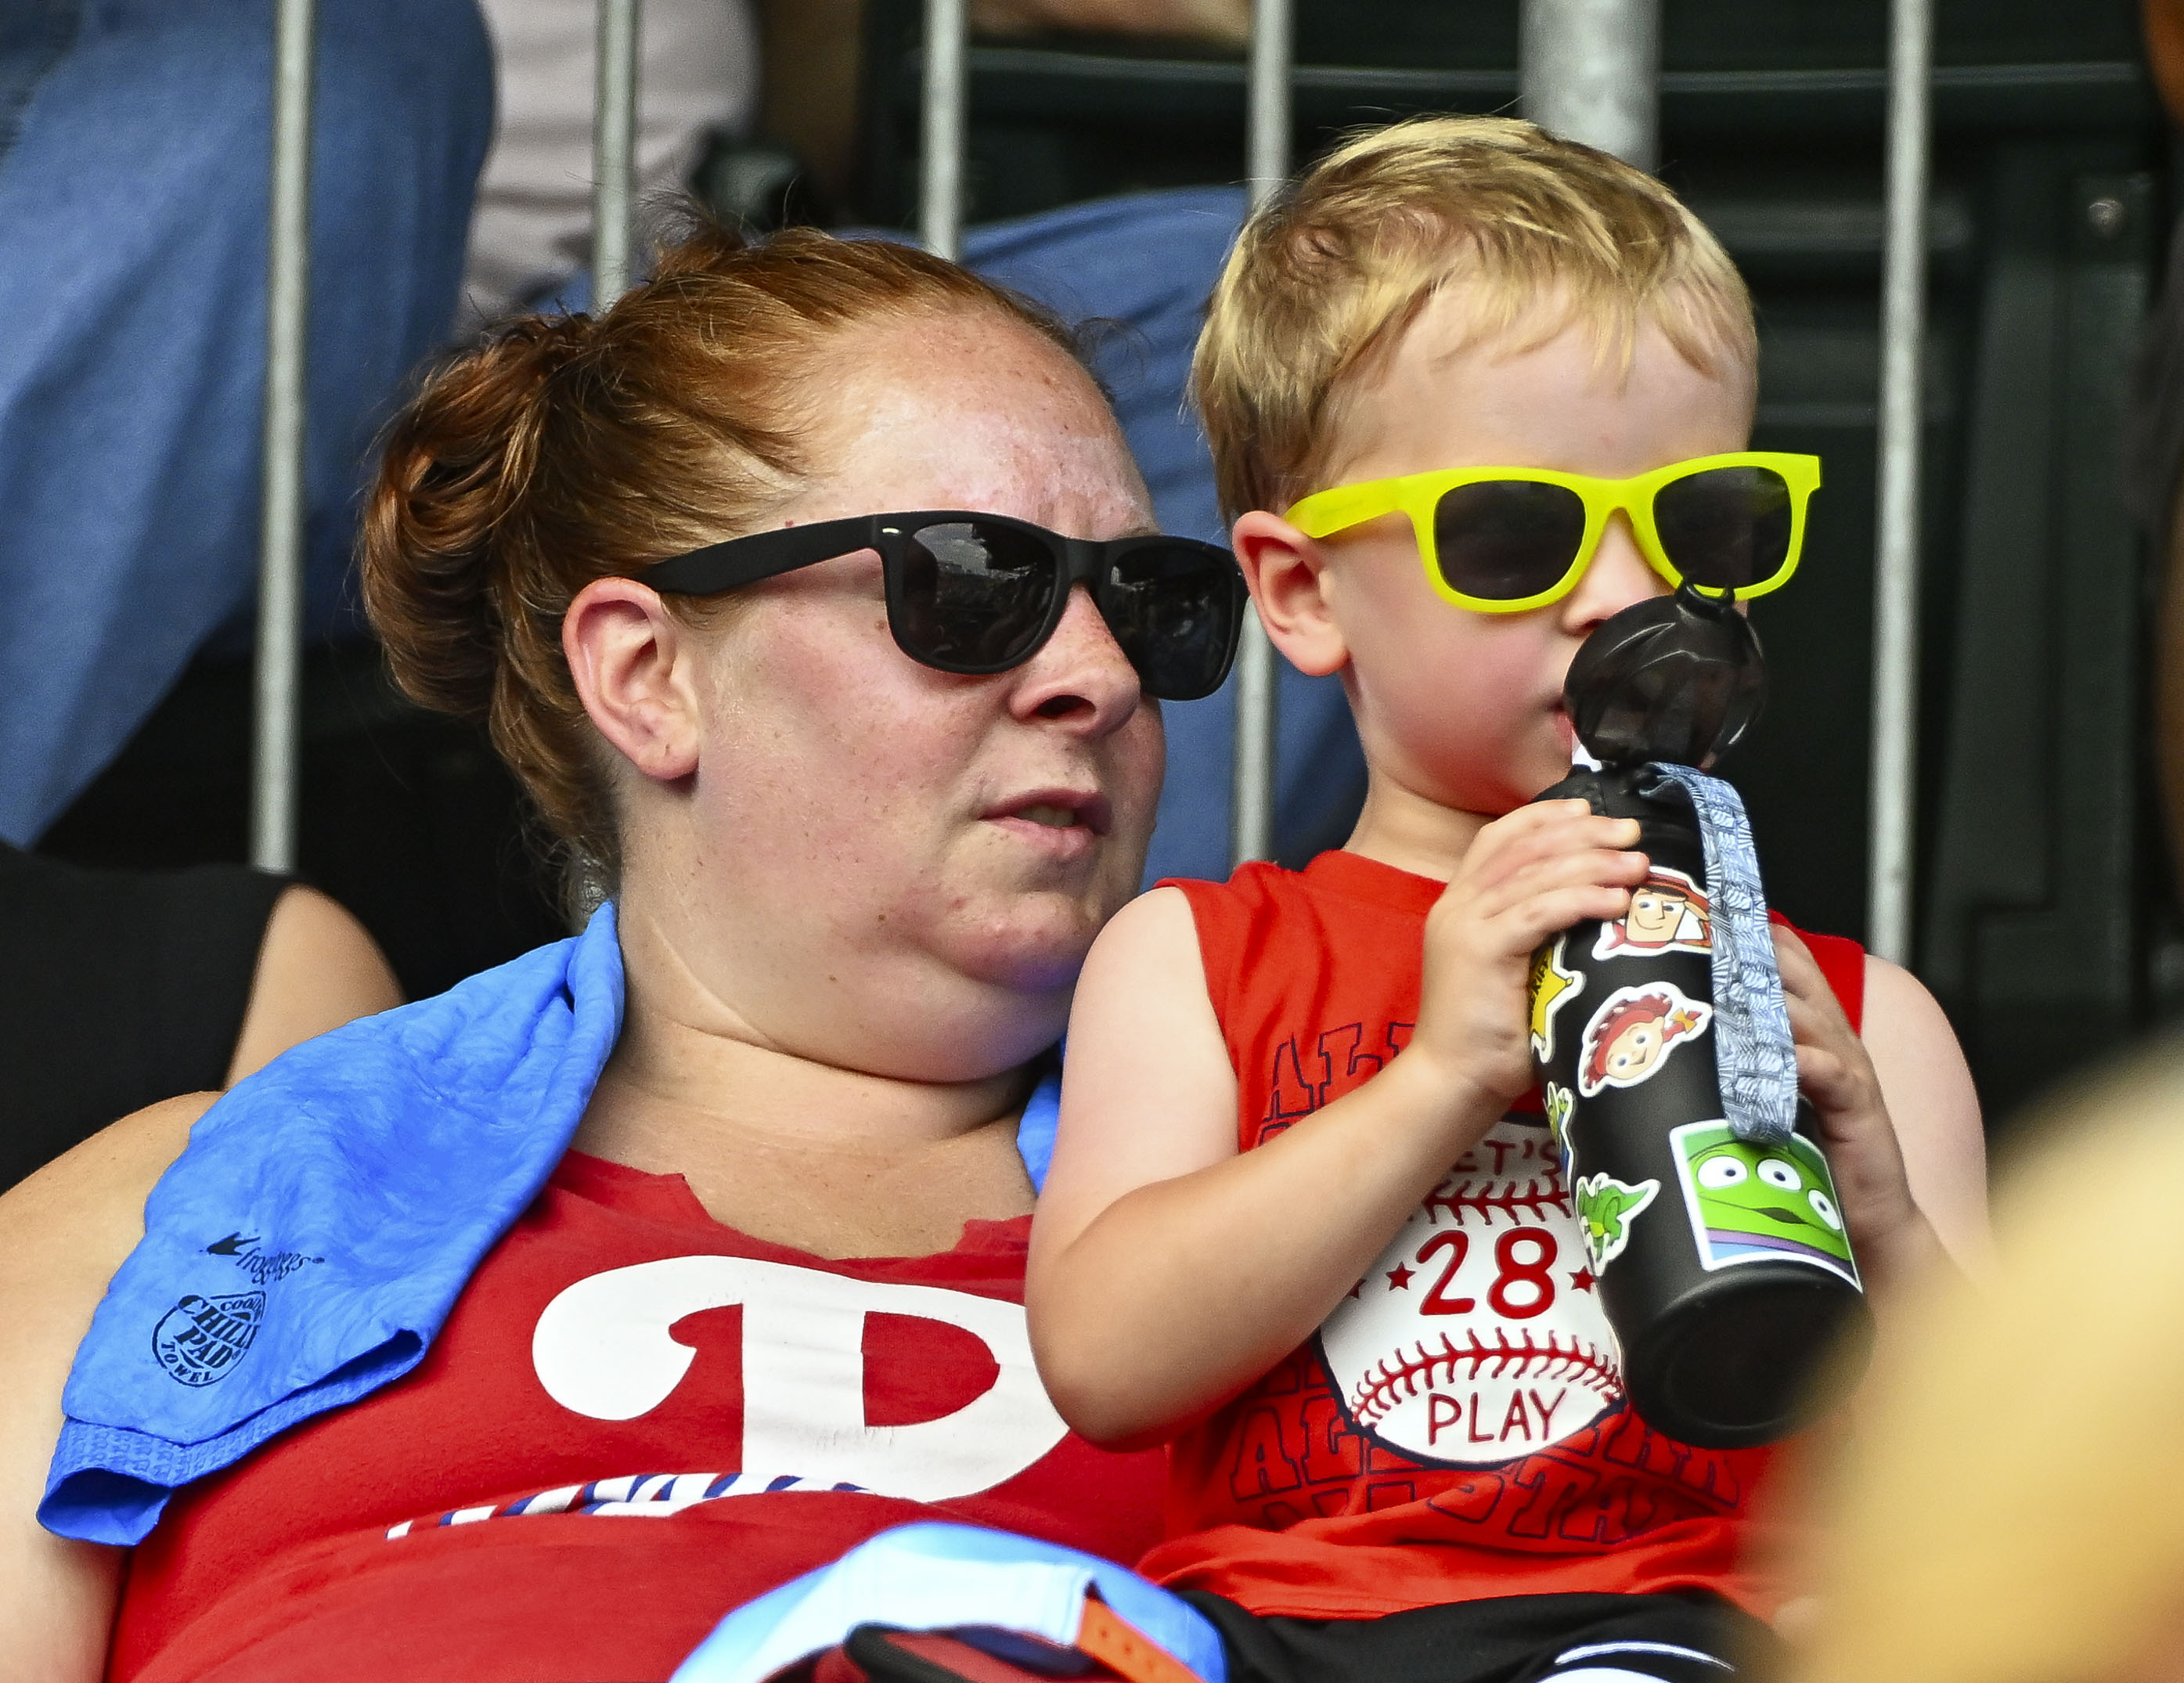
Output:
x=306 y=1248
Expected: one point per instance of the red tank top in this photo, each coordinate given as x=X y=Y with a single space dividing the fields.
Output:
x=634 y=1420
x=1456 y=1429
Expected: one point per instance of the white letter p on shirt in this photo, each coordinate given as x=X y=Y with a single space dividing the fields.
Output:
x=601 y=1349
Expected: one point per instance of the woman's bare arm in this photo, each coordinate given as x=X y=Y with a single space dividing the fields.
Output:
x=63 y=1234
x=317 y=969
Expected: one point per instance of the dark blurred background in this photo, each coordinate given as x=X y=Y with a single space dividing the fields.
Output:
x=2047 y=923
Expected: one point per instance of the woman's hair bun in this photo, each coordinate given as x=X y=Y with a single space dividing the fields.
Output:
x=455 y=470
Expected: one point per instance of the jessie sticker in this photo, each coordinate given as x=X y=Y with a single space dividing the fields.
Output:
x=1668 y=914
x=1632 y=1033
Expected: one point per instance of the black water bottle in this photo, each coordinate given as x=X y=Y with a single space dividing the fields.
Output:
x=1724 y=1267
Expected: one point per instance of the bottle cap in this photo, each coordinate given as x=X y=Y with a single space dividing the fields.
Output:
x=1677 y=678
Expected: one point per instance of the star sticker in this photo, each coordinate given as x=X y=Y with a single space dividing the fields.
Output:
x=1399 y=1279
x=1581 y=1279
x=1356 y=1289
x=1550 y=986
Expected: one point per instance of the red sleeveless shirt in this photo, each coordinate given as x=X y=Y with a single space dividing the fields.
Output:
x=634 y=1420
x=1457 y=1428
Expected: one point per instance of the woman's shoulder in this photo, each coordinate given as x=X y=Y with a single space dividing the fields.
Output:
x=63 y=1232
x=94 y=1193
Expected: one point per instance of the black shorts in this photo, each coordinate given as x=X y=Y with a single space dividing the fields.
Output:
x=1510 y=1639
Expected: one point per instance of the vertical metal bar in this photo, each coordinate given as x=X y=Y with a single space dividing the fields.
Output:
x=1251 y=795
x=276 y=733
x=1892 y=844
x=1589 y=70
x=940 y=182
x=614 y=147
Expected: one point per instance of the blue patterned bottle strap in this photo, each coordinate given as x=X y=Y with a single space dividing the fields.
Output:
x=1754 y=1052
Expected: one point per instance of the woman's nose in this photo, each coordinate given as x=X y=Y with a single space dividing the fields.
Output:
x=1080 y=675
x=1618 y=576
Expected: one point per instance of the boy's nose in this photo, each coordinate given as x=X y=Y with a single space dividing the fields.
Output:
x=1618 y=577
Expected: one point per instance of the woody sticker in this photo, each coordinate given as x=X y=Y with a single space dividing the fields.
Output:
x=1667 y=913
x=1551 y=988
x=1634 y=1031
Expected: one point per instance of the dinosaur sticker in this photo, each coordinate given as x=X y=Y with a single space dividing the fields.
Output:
x=1667 y=913
x=1606 y=1208
x=1634 y=1031
x=1759 y=1203
x=1551 y=988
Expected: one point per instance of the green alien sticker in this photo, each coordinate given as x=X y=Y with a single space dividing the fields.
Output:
x=1759 y=1203
x=1606 y=1208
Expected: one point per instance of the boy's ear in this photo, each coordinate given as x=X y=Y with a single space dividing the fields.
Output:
x=1286 y=572
x=634 y=664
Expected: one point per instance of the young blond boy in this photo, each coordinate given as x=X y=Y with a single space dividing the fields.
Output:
x=1303 y=1221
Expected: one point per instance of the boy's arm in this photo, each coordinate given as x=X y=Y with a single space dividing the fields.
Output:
x=1897 y=1116
x=1167 y=1271
x=1930 y=1096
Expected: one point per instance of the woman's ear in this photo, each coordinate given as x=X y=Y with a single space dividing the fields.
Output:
x=1287 y=573
x=634 y=667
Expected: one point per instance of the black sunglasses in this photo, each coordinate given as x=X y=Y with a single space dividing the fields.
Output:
x=979 y=593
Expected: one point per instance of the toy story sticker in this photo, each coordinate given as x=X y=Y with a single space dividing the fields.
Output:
x=1634 y=1031
x=1606 y=1208
x=1551 y=988
x=1759 y=1203
x=1556 y=1101
x=1669 y=913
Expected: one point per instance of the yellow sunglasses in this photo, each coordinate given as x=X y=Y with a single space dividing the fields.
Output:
x=1500 y=540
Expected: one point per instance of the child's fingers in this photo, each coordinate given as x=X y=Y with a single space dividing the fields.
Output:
x=1802 y=977
x=1541 y=831
x=1606 y=856
x=1834 y=1085
x=1535 y=917
x=1613 y=868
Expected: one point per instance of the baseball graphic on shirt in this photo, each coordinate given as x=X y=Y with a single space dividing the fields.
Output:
x=1478 y=1337
x=1632 y=1033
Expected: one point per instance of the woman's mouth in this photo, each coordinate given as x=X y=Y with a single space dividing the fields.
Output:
x=1064 y=823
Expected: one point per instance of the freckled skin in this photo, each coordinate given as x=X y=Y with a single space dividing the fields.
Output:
x=836 y=822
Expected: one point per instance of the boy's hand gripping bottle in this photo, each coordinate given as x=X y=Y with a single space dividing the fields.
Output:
x=1709 y=1217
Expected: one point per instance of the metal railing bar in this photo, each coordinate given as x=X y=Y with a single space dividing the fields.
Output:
x=1591 y=70
x=614 y=147
x=276 y=733
x=940 y=179
x=1893 y=845
x=1267 y=145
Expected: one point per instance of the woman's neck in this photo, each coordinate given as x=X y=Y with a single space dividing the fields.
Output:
x=789 y=1147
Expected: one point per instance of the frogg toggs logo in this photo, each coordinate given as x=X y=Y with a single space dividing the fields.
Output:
x=200 y=1339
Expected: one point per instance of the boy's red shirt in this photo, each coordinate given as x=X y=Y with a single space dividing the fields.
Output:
x=1456 y=1429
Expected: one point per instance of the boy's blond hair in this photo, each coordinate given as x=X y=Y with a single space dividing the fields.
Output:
x=1331 y=271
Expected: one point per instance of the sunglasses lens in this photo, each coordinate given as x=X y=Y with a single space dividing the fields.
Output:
x=1174 y=610
x=1501 y=540
x=974 y=596
x=1728 y=527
